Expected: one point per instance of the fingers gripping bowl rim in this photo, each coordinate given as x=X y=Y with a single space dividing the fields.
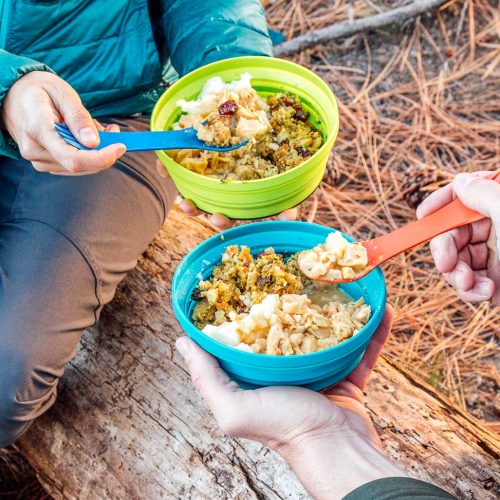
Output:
x=261 y=197
x=316 y=370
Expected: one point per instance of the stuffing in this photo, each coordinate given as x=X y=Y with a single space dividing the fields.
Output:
x=279 y=134
x=263 y=304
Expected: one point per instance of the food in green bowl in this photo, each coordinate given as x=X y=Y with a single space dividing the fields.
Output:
x=267 y=195
x=277 y=128
x=265 y=305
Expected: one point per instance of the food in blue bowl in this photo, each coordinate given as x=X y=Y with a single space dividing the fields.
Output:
x=275 y=306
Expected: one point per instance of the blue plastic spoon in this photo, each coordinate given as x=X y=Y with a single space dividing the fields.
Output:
x=146 y=141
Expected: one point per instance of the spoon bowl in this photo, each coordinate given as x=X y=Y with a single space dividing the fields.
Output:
x=368 y=269
x=147 y=141
x=383 y=248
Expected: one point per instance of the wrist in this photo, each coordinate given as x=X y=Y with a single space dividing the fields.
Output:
x=333 y=466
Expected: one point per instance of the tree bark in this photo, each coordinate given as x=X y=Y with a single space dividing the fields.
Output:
x=348 y=28
x=128 y=424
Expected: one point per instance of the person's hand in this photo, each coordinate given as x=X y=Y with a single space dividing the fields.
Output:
x=31 y=108
x=329 y=440
x=469 y=256
x=277 y=416
x=219 y=221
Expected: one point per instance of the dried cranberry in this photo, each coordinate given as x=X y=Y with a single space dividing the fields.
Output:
x=228 y=108
x=303 y=151
x=300 y=114
x=196 y=295
x=287 y=101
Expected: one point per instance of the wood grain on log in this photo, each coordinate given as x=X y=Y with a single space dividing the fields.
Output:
x=128 y=423
x=351 y=27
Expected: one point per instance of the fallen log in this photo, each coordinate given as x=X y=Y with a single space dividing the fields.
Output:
x=128 y=424
x=351 y=27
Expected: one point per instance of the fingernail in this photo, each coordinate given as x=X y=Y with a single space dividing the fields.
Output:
x=219 y=221
x=122 y=149
x=484 y=288
x=183 y=346
x=187 y=208
x=88 y=135
x=290 y=214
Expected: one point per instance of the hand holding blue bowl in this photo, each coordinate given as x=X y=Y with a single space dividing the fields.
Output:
x=317 y=370
x=321 y=436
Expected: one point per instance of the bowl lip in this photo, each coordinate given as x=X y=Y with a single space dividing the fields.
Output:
x=193 y=175
x=249 y=357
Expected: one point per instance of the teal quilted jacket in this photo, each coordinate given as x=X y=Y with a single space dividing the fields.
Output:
x=120 y=54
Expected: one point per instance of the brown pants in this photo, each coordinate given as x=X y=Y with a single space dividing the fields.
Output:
x=65 y=244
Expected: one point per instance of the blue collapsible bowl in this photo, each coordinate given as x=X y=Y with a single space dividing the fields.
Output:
x=317 y=370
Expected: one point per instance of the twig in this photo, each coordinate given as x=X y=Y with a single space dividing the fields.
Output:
x=461 y=20
x=350 y=12
x=350 y=28
x=472 y=32
x=374 y=6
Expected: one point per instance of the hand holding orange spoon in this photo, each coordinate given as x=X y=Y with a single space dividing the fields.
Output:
x=385 y=247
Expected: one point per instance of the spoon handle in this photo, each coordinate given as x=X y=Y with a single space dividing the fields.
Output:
x=451 y=216
x=185 y=138
x=149 y=141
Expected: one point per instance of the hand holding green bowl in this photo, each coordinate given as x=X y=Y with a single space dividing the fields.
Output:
x=271 y=195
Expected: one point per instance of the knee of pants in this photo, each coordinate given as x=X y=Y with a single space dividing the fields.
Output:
x=47 y=298
x=26 y=390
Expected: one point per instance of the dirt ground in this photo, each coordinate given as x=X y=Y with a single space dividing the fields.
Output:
x=418 y=104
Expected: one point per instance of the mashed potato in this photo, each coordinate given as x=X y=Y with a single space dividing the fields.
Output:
x=336 y=259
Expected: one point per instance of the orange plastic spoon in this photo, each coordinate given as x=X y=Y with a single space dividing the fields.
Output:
x=383 y=248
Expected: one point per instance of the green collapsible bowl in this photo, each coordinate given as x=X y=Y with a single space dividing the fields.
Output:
x=261 y=197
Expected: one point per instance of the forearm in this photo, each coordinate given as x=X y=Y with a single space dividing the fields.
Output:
x=330 y=468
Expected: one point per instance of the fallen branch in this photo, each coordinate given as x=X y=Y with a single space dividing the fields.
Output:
x=398 y=15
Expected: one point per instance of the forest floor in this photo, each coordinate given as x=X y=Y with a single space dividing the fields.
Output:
x=418 y=104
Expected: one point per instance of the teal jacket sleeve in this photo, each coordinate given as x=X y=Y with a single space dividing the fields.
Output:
x=12 y=68
x=201 y=31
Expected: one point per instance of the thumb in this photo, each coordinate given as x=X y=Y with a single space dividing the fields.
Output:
x=78 y=119
x=221 y=395
x=479 y=194
x=209 y=379
x=361 y=374
x=482 y=195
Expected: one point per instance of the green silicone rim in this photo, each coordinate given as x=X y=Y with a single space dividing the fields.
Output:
x=261 y=197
